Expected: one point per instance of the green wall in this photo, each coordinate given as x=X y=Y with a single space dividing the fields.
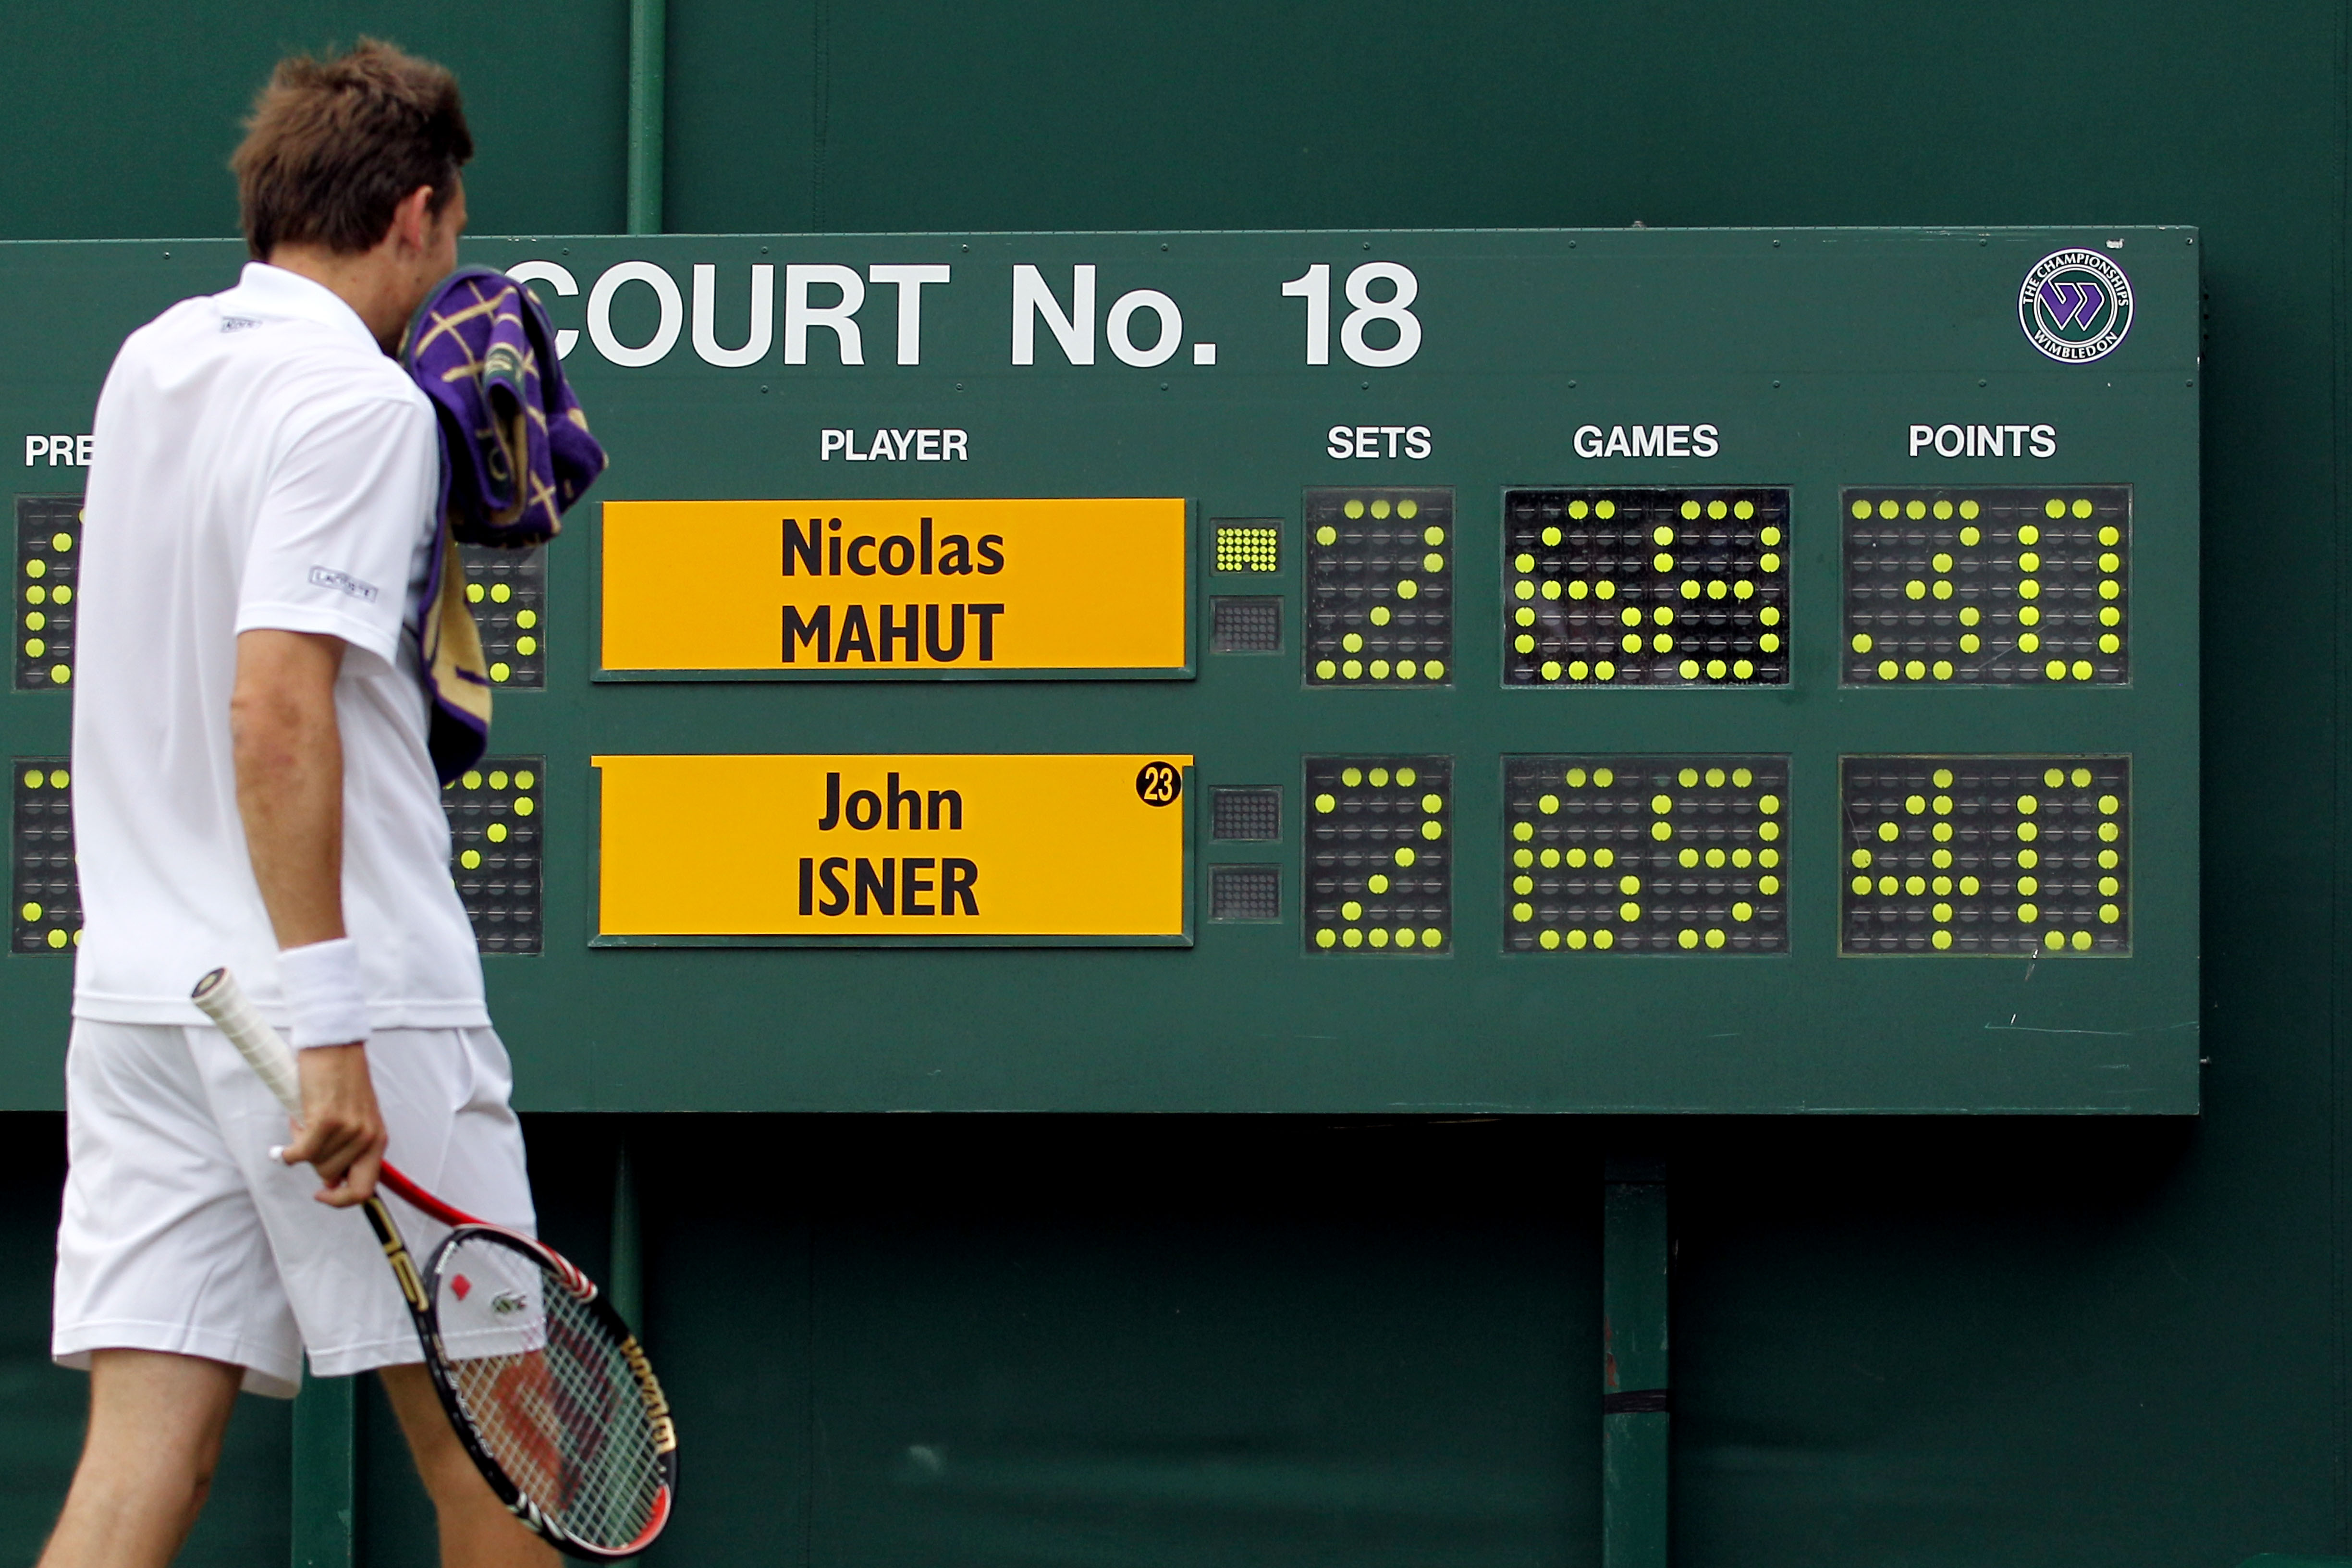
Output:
x=1267 y=1340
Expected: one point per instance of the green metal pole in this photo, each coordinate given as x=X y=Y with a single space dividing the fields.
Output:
x=326 y=1473
x=1635 y=1261
x=648 y=71
x=625 y=1290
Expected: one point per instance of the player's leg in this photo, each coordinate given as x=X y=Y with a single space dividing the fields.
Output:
x=443 y=1095
x=155 y=1425
x=166 y=1293
x=476 y=1530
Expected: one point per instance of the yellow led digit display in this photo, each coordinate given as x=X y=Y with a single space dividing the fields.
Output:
x=893 y=847
x=48 y=571
x=1645 y=586
x=1380 y=586
x=963 y=588
x=46 y=893
x=496 y=825
x=1249 y=546
x=1645 y=854
x=1997 y=586
x=1380 y=855
x=1961 y=854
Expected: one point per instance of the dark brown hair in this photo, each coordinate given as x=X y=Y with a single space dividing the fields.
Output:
x=334 y=145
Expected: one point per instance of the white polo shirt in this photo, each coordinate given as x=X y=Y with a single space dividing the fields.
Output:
x=259 y=463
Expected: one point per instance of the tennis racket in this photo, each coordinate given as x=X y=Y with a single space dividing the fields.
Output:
x=547 y=1388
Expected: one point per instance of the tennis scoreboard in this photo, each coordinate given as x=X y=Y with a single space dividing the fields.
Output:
x=1746 y=672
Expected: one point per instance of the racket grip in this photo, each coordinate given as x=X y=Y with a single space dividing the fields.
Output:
x=224 y=1001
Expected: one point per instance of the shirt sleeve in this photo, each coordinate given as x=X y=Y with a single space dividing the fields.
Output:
x=342 y=519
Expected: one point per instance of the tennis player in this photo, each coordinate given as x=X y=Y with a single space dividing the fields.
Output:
x=252 y=788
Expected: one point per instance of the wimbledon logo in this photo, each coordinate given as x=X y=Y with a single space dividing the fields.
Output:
x=2076 y=306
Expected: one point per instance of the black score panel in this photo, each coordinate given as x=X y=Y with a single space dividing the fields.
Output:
x=1379 y=857
x=495 y=831
x=506 y=590
x=1660 y=854
x=1647 y=588
x=1380 y=586
x=1992 y=586
x=1989 y=856
x=45 y=894
x=48 y=531
x=1328 y=673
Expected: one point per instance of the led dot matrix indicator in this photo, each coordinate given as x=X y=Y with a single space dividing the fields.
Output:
x=1645 y=854
x=1245 y=625
x=2021 y=856
x=1645 y=588
x=1245 y=815
x=1380 y=586
x=2014 y=586
x=1251 y=545
x=1380 y=855
x=494 y=849
x=1245 y=893
x=508 y=591
x=46 y=894
x=49 y=560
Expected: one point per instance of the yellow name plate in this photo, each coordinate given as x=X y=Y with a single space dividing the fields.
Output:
x=897 y=588
x=1084 y=850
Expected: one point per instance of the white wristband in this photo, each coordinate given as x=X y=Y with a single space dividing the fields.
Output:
x=323 y=987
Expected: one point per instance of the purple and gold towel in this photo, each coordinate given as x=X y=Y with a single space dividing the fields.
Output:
x=515 y=454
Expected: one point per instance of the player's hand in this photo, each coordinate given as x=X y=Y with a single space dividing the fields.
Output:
x=341 y=1133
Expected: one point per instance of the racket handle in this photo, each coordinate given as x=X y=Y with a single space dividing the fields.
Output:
x=224 y=1001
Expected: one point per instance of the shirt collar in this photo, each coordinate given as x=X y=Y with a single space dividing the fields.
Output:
x=276 y=289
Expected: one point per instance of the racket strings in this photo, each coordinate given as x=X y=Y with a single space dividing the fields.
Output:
x=555 y=1403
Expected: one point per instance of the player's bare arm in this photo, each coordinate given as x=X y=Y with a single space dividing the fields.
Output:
x=289 y=794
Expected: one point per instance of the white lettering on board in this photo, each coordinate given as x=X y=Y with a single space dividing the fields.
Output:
x=840 y=318
x=915 y=445
x=908 y=278
x=61 y=451
x=1985 y=440
x=1378 y=441
x=1648 y=441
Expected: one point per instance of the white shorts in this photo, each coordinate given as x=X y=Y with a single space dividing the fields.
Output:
x=180 y=1232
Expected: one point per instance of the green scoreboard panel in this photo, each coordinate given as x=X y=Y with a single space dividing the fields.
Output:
x=1613 y=672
